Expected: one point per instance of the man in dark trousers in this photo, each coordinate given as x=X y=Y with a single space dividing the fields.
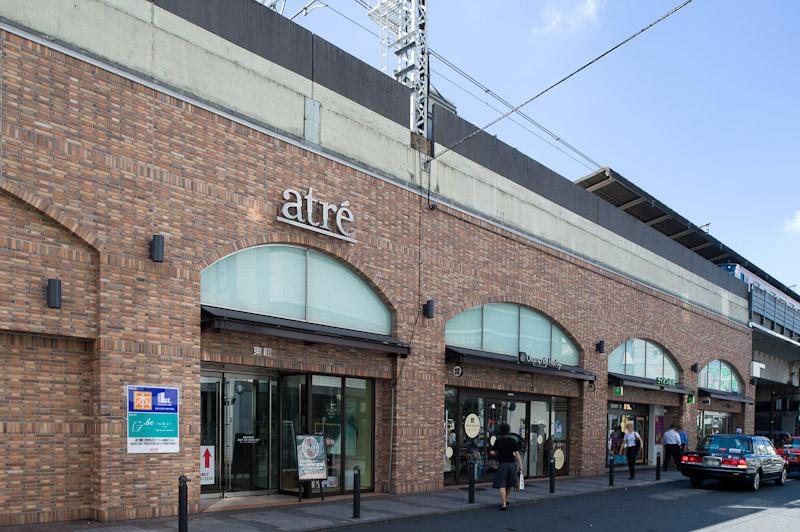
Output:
x=672 y=448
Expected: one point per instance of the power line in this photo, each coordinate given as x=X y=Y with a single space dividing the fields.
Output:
x=497 y=97
x=532 y=132
x=508 y=104
x=565 y=78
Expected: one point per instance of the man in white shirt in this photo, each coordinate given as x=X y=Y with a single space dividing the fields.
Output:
x=672 y=447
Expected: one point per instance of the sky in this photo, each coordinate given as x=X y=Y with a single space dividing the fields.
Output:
x=702 y=111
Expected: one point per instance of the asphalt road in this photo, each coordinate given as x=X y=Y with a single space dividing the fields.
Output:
x=668 y=507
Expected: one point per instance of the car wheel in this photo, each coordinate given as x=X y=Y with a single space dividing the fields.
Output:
x=696 y=482
x=780 y=481
x=755 y=482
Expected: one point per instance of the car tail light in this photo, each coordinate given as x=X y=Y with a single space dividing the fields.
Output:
x=740 y=463
x=690 y=459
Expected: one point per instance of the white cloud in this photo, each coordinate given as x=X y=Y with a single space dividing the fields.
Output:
x=792 y=225
x=567 y=16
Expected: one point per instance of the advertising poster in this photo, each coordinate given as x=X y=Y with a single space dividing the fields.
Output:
x=153 y=419
x=659 y=430
x=311 y=463
x=207 y=465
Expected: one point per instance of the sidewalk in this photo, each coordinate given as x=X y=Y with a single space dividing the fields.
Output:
x=316 y=515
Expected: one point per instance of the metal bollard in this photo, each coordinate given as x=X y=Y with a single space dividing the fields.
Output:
x=552 y=472
x=356 y=492
x=183 y=504
x=471 y=470
x=658 y=466
x=611 y=471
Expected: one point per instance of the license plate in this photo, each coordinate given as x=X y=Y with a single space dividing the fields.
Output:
x=710 y=461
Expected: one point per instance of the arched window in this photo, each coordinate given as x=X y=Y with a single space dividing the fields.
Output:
x=508 y=329
x=719 y=375
x=295 y=283
x=641 y=358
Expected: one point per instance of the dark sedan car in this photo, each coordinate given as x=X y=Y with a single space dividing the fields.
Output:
x=748 y=460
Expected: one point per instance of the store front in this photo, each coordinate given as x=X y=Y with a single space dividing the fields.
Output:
x=721 y=405
x=249 y=422
x=250 y=415
x=539 y=424
x=644 y=385
x=515 y=340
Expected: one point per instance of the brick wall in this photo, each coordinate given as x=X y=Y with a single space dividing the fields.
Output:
x=94 y=164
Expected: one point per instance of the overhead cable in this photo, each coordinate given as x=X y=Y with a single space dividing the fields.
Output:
x=565 y=78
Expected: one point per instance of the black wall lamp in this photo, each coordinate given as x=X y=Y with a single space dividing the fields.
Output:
x=54 y=293
x=428 y=309
x=157 y=248
x=600 y=346
x=695 y=367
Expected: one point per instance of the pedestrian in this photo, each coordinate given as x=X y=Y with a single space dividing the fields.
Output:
x=632 y=442
x=684 y=439
x=672 y=447
x=614 y=442
x=509 y=463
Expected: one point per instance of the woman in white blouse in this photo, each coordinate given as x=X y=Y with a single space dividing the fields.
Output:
x=632 y=443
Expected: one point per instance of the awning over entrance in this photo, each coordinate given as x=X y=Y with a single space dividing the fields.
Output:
x=219 y=319
x=724 y=396
x=618 y=379
x=458 y=355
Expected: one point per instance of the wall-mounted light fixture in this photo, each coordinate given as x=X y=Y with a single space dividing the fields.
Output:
x=600 y=346
x=54 y=293
x=695 y=367
x=428 y=309
x=157 y=248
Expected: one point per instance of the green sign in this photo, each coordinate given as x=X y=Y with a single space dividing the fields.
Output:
x=665 y=381
x=142 y=425
x=690 y=399
x=617 y=391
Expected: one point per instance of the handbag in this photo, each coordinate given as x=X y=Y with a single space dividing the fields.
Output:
x=620 y=459
x=521 y=485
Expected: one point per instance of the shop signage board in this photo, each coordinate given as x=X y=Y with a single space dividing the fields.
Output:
x=153 y=419
x=311 y=463
x=690 y=399
x=618 y=391
x=538 y=361
x=307 y=212
x=665 y=381
x=207 y=466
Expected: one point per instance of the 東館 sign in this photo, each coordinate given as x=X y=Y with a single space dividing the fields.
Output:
x=307 y=212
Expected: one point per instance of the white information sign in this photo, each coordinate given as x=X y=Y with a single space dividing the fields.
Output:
x=472 y=426
x=207 y=465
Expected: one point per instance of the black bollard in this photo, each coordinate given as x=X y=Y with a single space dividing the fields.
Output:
x=356 y=492
x=183 y=504
x=471 y=470
x=611 y=471
x=658 y=466
x=552 y=471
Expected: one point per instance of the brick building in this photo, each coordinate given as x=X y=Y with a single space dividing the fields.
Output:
x=301 y=238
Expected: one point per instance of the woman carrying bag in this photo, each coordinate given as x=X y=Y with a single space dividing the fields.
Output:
x=632 y=443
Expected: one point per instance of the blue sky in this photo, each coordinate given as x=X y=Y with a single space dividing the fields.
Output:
x=702 y=111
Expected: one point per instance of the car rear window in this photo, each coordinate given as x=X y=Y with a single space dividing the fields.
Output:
x=726 y=444
x=793 y=443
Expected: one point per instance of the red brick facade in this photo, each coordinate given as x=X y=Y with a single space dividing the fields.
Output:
x=94 y=164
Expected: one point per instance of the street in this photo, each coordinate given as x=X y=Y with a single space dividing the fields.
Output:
x=673 y=506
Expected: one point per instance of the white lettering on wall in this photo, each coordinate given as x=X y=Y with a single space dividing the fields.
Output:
x=307 y=212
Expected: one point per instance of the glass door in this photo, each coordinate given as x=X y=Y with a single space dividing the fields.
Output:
x=538 y=438
x=326 y=419
x=210 y=428
x=247 y=406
